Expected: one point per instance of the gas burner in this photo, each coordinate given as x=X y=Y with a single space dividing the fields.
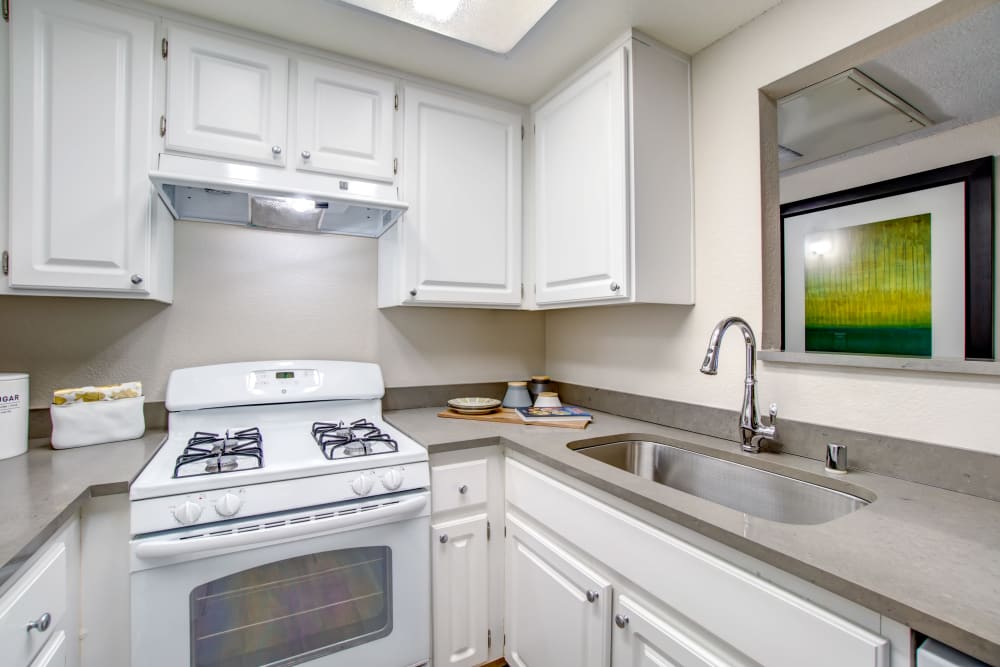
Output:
x=210 y=453
x=359 y=438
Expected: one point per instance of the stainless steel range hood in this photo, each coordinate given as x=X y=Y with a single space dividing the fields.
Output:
x=356 y=209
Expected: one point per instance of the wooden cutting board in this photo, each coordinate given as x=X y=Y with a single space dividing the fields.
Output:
x=509 y=416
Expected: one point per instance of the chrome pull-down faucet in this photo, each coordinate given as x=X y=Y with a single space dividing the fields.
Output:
x=752 y=432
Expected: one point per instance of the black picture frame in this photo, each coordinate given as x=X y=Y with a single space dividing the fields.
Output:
x=978 y=178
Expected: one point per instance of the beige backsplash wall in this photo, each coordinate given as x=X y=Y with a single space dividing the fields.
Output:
x=656 y=350
x=244 y=294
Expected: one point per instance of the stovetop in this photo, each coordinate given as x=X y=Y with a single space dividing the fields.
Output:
x=250 y=445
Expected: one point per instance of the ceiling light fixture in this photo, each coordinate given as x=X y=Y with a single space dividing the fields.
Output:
x=495 y=25
x=439 y=10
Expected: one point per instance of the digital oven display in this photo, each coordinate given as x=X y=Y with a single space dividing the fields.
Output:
x=284 y=375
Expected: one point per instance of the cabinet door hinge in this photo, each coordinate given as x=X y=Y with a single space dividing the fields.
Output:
x=395 y=102
x=6 y=262
x=6 y=10
x=489 y=639
x=395 y=165
x=489 y=532
x=163 y=126
x=164 y=47
x=522 y=133
x=505 y=531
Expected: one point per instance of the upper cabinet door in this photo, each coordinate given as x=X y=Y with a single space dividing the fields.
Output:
x=345 y=122
x=81 y=135
x=462 y=178
x=226 y=98
x=581 y=188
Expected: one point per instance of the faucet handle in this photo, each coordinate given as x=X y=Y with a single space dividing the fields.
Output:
x=772 y=414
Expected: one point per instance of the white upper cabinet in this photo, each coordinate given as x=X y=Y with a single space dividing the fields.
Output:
x=613 y=212
x=580 y=188
x=82 y=126
x=226 y=98
x=460 y=241
x=345 y=122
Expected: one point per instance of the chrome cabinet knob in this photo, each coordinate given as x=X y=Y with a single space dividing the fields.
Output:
x=276 y=150
x=592 y=596
x=136 y=279
x=413 y=292
x=444 y=539
x=463 y=489
x=306 y=155
x=621 y=620
x=615 y=286
x=41 y=624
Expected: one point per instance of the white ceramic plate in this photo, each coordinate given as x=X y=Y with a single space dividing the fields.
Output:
x=474 y=405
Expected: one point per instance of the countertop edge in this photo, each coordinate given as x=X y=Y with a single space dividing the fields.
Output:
x=897 y=610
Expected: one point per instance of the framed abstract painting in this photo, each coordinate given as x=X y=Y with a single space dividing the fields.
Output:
x=902 y=267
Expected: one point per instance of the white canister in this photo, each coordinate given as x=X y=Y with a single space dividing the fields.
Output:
x=13 y=414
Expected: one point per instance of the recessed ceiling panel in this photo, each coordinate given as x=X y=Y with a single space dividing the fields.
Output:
x=495 y=26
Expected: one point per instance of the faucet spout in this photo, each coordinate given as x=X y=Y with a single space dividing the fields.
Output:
x=753 y=432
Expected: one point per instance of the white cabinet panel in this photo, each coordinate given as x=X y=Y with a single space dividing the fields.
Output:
x=225 y=97
x=42 y=590
x=645 y=638
x=460 y=592
x=345 y=122
x=462 y=176
x=459 y=485
x=558 y=610
x=54 y=654
x=580 y=188
x=81 y=129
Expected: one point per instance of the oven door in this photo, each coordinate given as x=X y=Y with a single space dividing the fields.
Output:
x=343 y=585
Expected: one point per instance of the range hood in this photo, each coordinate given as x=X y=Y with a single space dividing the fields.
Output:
x=239 y=197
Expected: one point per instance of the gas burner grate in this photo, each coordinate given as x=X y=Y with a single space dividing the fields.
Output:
x=338 y=440
x=212 y=453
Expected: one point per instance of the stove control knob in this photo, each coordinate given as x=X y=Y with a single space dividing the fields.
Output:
x=187 y=512
x=363 y=484
x=228 y=504
x=392 y=479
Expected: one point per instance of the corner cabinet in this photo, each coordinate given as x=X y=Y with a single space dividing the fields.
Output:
x=613 y=185
x=459 y=244
x=81 y=133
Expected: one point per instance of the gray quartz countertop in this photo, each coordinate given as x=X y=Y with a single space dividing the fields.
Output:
x=39 y=490
x=923 y=556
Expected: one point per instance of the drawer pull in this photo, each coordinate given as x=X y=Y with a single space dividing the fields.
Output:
x=444 y=539
x=621 y=620
x=41 y=624
x=463 y=489
x=592 y=596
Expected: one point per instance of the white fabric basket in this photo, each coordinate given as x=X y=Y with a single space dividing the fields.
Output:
x=93 y=423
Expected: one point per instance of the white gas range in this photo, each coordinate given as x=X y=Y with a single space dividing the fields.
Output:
x=282 y=522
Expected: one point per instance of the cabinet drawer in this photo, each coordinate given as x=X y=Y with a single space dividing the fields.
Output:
x=42 y=589
x=458 y=485
x=725 y=601
x=54 y=653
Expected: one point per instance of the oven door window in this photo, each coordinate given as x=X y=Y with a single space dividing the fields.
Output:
x=294 y=610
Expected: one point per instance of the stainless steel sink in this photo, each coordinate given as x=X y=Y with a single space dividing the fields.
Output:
x=761 y=493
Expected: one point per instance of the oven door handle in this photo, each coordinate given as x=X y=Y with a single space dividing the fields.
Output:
x=177 y=547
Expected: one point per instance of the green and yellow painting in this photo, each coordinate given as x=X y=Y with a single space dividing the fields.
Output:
x=868 y=288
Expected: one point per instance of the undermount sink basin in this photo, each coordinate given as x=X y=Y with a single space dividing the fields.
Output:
x=761 y=493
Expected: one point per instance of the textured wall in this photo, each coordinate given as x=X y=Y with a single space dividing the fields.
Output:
x=244 y=294
x=656 y=350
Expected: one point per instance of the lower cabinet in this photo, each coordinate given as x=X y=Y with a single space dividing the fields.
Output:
x=467 y=557
x=558 y=610
x=39 y=614
x=674 y=602
x=460 y=591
